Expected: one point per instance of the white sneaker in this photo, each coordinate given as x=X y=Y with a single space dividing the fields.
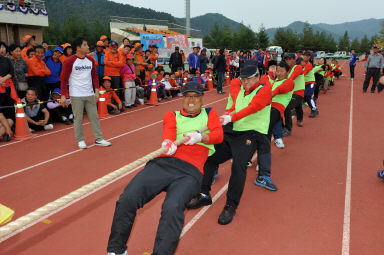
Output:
x=279 y=143
x=82 y=145
x=103 y=143
x=48 y=127
x=112 y=253
x=141 y=101
x=257 y=168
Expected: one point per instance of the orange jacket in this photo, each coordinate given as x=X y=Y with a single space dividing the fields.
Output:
x=24 y=53
x=153 y=58
x=37 y=67
x=113 y=63
x=63 y=58
x=109 y=95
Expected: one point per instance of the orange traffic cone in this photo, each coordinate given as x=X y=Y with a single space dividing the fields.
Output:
x=153 y=96
x=102 y=109
x=22 y=130
x=209 y=82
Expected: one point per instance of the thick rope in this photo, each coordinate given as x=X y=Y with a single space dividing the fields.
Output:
x=39 y=214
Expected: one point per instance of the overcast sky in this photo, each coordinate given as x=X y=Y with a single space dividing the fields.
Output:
x=272 y=13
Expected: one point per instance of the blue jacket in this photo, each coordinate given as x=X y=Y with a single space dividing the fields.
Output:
x=353 y=59
x=100 y=67
x=194 y=60
x=55 y=70
x=260 y=60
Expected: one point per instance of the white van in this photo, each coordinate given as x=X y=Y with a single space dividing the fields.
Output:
x=320 y=54
x=278 y=49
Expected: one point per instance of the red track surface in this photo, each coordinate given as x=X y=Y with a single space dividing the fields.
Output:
x=304 y=217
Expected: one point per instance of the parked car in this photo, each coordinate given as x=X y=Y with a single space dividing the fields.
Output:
x=340 y=55
x=320 y=54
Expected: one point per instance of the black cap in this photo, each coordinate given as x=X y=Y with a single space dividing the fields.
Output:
x=249 y=71
x=177 y=48
x=289 y=56
x=193 y=86
x=272 y=63
x=298 y=61
x=307 y=53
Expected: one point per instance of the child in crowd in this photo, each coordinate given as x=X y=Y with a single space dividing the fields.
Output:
x=60 y=112
x=114 y=104
x=31 y=53
x=36 y=114
x=197 y=78
x=128 y=77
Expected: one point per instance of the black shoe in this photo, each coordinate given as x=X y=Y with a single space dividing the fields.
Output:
x=364 y=91
x=67 y=122
x=314 y=114
x=226 y=215
x=6 y=138
x=372 y=91
x=286 y=132
x=199 y=201
x=134 y=105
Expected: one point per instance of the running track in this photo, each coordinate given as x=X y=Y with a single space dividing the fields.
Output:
x=308 y=214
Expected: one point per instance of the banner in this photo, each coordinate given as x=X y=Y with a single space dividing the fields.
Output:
x=35 y=11
x=151 y=39
x=1 y=7
x=23 y=9
x=11 y=7
x=177 y=40
x=44 y=12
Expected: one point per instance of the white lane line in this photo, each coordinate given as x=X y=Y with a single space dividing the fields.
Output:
x=69 y=204
x=347 y=202
x=203 y=211
x=75 y=151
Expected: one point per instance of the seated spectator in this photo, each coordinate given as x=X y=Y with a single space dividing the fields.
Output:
x=20 y=69
x=170 y=86
x=128 y=76
x=197 y=78
x=60 y=112
x=114 y=104
x=37 y=70
x=30 y=54
x=54 y=64
x=159 y=88
x=5 y=128
x=36 y=114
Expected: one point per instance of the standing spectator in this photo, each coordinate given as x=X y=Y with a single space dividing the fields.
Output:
x=139 y=62
x=36 y=114
x=79 y=80
x=20 y=69
x=60 y=112
x=3 y=49
x=29 y=42
x=113 y=62
x=374 y=65
x=8 y=95
x=54 y=64
x=194 y=60
x=37 y=70
x=128 y=77
x=99 y=57
x=176 y=60
x=125 y=51
x=47 y=51
x=67 y=52
x=352 y=63
x=203 y=60
x=126 y=42
x=154 y=55
x=183 y=58
x=105 y=41
x=220 y=65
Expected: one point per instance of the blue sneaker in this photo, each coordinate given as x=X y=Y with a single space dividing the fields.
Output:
x=265 y=182
x=380 y=174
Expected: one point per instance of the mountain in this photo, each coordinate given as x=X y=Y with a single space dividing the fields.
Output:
x=206 y=22
x=356 y=29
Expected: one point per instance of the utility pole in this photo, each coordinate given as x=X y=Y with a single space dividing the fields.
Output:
x=188 y=17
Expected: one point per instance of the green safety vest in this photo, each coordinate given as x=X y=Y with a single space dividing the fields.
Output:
x=258 y=121
x=310 y=77
x=299 y=81
x=191 y=124
x=283 y=99
x=317 y=68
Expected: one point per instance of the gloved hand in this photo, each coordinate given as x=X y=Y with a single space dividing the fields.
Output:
x=170 y=146
x=225 y=119
x=194 y=138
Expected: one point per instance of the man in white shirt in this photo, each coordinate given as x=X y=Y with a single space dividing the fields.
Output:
x=79 y=80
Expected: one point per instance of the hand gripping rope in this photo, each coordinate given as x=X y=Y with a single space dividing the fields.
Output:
x=36 y=216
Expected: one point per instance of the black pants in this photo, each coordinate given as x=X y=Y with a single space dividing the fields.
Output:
x=179 y=179
x=39 y=84
x=371 y=72
x=352 y=71
x=116 y=84
x=275 y=117
x=59 y=112
x=39 y=116
x=293 y=104
x=51 y=87
x=220 y=81
x=239 y=146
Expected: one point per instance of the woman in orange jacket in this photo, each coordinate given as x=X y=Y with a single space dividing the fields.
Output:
x=113 y=62
x=37 y=70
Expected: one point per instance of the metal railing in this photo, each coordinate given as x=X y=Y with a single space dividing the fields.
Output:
x=38 y=4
